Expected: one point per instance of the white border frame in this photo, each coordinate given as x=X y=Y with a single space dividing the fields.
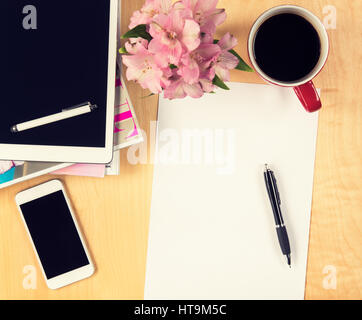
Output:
x=77 y=154
x=39 y=192
x=317 y=24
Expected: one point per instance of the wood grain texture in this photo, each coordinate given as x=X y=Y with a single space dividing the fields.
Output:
x=114 y=212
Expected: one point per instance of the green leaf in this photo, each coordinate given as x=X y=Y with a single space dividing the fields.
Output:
x=138 y=32
x=172 y=66
x=242 y=64
x=219 y=83
x=123 y=50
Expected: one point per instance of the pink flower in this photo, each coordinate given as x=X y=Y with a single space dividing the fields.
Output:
x=226 y=61
x=207 y=85
x=143 y=68
x=189 y=69
x=179 y=89
x=133 y=45
x=206 y=14
x=148 y=11
x=196 y=64
x=181 y=57
x=172 y=36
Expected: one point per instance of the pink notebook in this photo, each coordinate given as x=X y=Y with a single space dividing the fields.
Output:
x=84 y=170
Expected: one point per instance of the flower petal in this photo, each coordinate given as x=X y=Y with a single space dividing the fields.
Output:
x=208 y=74
x=191 y=35
x=208 y=51
x=143 y=69
x=138 y=18
x=175 y=90
x=194 y=91
x=166 y=54
x=208 y=27
x=207 y=38
x=164 y=5
x=189 y=70
x=217 y=16
x=134 y=45
x=222 y=73
x=205 y=5
x=227 y=42
x=227 y=60
x=207 y=85
x=191 y=4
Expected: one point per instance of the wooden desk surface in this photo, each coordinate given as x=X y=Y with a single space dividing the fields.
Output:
x=114 y=212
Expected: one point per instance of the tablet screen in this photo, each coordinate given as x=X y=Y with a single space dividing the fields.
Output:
x=54 y=55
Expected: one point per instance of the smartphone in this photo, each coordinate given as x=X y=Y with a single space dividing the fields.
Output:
x=55 y=235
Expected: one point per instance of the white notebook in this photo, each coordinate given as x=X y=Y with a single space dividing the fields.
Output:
x=212 y=233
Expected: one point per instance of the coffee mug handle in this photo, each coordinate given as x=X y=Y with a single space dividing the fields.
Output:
x=308 y=96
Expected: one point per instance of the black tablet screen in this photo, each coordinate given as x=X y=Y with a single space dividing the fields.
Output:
x=54 y=55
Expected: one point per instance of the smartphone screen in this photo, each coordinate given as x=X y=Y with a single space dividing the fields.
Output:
x=54 y=234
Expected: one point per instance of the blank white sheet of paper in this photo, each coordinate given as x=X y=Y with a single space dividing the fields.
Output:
x=212 y=232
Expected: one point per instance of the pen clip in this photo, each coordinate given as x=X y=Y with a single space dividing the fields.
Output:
x=276 y=188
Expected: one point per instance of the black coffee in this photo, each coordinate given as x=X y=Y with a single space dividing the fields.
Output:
x=287 y=47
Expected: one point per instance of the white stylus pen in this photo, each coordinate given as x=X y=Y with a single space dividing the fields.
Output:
x=75 y=111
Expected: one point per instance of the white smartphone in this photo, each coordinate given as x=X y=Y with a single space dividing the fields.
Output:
x=55 y=234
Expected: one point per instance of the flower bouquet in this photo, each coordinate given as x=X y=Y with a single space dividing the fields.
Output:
x=171 y=48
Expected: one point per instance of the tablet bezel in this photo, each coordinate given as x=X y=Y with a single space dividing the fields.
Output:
x=78 y=154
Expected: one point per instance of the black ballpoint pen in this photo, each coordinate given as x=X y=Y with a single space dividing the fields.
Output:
x=272 y=188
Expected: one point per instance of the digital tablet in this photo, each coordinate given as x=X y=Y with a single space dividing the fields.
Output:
x=57 y=55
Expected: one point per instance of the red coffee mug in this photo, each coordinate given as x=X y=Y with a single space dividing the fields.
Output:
x=304 y=88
